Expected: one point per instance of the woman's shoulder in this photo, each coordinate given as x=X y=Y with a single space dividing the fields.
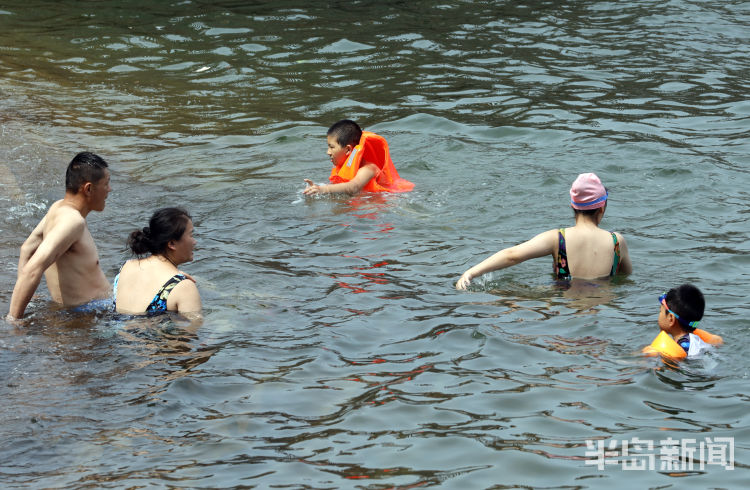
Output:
x=184 y=283
x=132 y=262
x=181 y=284
x=620 y=237
x=145 y=269
x=133 y=266
x=579 y=235
x=553 y=232
x=185 y=296
x=128 y=267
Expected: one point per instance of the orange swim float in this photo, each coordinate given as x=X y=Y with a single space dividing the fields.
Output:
x=372 y=148
x=666 y=346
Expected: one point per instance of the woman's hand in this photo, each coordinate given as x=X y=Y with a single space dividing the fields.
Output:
x=464 y=281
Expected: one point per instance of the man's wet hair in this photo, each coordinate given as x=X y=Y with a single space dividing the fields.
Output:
x=346 y=132
x=85 y=167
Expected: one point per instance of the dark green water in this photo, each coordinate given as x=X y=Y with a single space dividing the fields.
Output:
x=335 y=352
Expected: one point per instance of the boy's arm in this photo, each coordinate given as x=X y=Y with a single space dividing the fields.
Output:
x=540 y=245
x=45 y=253
x=365 y=173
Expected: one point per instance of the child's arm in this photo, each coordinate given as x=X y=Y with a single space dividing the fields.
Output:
x=540 y=245
x=365 y=173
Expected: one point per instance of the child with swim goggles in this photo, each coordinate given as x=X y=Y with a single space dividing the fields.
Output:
x=680 y=312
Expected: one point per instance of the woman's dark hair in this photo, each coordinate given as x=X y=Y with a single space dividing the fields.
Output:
x=688 y=302
x=585 y=212
x=166 y=224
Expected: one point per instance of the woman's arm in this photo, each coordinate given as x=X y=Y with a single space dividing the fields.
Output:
x=625 y=266
x=539 y=246
x=185 y=298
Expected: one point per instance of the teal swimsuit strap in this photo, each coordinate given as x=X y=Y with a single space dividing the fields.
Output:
x=616 y=260
x=114 y=287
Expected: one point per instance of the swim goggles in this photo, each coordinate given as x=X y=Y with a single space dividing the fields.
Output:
x=663 y=301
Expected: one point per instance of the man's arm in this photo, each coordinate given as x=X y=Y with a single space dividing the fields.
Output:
x=364 y=175
x=30 y=245
x=38 y=254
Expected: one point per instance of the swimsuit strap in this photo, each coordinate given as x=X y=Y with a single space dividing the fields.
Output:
x=616 y=260
x=159 y=303
x=114 y=291
x=114 y=287
x=562 y=269
x=684 y=342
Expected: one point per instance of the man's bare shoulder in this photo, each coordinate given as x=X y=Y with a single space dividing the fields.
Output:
x=63 y=213
x=63 y=222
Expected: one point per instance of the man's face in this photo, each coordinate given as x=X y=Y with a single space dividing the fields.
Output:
x=99 y=192
x=336 y=152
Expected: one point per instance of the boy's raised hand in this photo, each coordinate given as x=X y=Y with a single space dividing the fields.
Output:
x=311 y=189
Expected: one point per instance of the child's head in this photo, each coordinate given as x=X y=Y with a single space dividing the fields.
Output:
x=345 y=132
x=681 y=309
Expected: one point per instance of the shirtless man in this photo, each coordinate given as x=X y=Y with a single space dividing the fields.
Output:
x=61 y=246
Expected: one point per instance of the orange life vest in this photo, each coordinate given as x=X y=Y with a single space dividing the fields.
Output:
x=372 y=149
x=665 y=345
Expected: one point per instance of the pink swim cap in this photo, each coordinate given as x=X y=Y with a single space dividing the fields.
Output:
x=587 y=192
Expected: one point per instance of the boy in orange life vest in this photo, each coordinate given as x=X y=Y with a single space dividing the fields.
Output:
x=361 y=162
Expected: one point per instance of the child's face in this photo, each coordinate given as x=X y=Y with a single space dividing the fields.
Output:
x=336 y=152
x=663 y=319
x=667 y=322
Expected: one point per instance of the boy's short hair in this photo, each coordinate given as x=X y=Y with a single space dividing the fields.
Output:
x=85 y=167
x=346 y=132
x=688 y=302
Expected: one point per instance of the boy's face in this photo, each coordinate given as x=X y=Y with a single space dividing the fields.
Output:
x=663 y=319
x=336 y=152
x=667 y=322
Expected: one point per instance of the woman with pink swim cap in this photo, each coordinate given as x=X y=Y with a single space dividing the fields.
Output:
x=584 y=251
